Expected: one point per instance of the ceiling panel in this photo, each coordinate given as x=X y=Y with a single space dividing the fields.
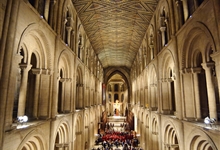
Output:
x=115 y=28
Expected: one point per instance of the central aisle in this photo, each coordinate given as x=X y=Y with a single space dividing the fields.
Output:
x=117 y=135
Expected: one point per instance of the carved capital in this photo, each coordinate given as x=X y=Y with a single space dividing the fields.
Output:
x=25 y=66
x=196 y=70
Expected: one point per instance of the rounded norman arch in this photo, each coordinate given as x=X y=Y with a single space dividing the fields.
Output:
x=198 y=139
x=62 y=137
x=171 y=139
x=34 y=40
x=200 y=41
x=34 y=140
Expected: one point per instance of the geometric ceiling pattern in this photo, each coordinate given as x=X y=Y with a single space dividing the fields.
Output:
x=115 y=28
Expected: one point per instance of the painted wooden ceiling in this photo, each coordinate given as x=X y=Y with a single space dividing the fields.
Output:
x=115 y=28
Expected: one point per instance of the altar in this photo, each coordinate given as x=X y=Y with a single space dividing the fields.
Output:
x=117 y=108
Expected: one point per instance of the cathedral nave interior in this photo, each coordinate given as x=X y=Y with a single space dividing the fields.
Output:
x=74 y=70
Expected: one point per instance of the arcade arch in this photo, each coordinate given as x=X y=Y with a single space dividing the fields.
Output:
x=198 y=70
x=198 y=139
x=35 y=67
x=33 y=141
x=79 y=88
x=64 y=103
x=62 y=137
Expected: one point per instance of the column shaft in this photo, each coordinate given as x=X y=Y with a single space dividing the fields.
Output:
x=210 y=90
x=197 y=97
x=23 y=90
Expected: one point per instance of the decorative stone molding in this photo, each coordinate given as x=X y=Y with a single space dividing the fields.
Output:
x=196 y=70
x=79 y=85
x=78 y=133
x=155 y=133
x=25 y=66
x=61 y=145
x=65 y=79
x=36 y=70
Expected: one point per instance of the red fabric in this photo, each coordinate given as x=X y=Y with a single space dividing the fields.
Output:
x=116 y=136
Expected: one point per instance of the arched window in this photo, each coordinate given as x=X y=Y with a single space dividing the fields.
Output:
x=115 y=97
x=172 y=93
x=116 y=88
x=79 y=46
x=17 y=88
x=31 y=85
x=164 y=27
x=60 y=93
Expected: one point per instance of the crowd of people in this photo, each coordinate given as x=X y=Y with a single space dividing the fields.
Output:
x=110 y=139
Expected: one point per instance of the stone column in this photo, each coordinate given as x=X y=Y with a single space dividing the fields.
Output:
x=210 y=89
x=158 y=45
x=195 y=72
x=146 y=104
x=69 y=29
x=196 y=4
x=180 y=13
x=72 y=41
x=67 y=99
x=80 y=95
x=36 y=4
x=95 y=97
x=6 y=54
x=37 y=72
x=151 y=51
x=141 y=98
x=91 y=65
x=63 y=29
x=216 y=58
x=46 y=9
x=86 y=102
x=163 y=29
x=145 y=60
x=13 y=88
x=163 y=94
x=87 y=59
x=23 y=89
x=172 y=18
x=51 y=12
x=62 y=80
